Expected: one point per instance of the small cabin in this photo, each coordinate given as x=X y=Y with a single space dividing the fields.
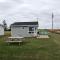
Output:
x=24 y=29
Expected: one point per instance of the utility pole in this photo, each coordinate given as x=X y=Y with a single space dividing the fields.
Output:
x=52 y=21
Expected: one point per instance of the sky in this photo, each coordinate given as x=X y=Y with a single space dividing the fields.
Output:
x=31 y=10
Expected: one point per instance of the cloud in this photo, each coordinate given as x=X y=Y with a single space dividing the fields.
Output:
x=29 y=10
x=1 y=1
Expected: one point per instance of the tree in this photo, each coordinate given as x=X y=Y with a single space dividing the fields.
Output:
x=5 y=25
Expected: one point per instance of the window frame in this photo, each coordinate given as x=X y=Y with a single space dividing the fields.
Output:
x=31 y=30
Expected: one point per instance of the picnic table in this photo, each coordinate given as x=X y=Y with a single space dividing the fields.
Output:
x=15 y=40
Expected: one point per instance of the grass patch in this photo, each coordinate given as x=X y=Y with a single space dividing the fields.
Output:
x=33 y=49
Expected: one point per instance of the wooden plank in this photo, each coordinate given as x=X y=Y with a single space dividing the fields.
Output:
x=13 y=41
x=15 y=37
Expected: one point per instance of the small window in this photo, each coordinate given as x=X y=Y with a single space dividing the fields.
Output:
x=31 y=28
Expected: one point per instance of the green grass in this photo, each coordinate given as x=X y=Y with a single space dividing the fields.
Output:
x=32 y=49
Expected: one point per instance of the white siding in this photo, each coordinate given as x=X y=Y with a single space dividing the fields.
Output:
x=19 y=31
x=1 y=30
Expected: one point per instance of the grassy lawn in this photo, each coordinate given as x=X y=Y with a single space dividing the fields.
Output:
x=32 y=49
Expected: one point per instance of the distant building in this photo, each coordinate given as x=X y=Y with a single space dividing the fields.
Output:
x=1 y=30
x=24 y=29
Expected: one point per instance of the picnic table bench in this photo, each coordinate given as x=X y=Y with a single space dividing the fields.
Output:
x=15 y=40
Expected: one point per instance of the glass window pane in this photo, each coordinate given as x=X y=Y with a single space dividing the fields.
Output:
x=31 y=28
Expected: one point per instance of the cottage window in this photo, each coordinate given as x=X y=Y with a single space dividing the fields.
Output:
x=31 y=29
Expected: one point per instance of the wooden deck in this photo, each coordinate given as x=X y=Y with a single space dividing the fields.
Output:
x=43 y=36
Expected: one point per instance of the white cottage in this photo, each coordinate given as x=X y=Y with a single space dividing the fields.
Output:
x=24 y=29
x=1 y=30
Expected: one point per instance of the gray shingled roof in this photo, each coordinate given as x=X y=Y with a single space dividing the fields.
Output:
x=25 y=23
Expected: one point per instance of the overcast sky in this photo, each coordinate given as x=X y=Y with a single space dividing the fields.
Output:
x=29 y=10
